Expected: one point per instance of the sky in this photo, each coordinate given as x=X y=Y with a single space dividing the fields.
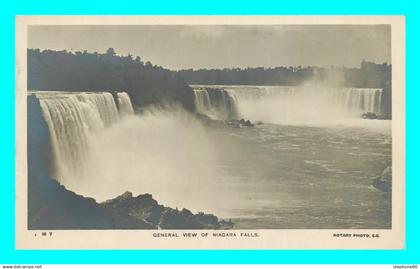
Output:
x=225 y=46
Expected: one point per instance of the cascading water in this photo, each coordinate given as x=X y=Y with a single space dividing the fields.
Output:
x=356 y=99
x=100 y=151
x=72 y=118
x=124 y=104
x=215 y=103
x=202 y=100
x=255 y=102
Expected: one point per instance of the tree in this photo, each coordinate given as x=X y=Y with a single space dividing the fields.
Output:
x=110 y=52
x=149 y=64
x=138 y=61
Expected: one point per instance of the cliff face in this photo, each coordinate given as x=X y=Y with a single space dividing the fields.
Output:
x=145 y=83
x=51 y=206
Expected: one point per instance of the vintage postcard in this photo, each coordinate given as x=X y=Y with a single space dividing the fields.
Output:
x=210 y=132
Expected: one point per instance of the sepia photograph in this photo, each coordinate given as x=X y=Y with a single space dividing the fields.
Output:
x=245 y=132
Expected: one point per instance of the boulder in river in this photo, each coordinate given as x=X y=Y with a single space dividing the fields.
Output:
x=384 y=182
x=369 y=115
x=240 y=123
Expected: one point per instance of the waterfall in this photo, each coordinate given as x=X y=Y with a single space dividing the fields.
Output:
x=357 y=99
x=72 y=119
x=124 y=104
x=215 y=103
x=224 y=102
x=202 y=100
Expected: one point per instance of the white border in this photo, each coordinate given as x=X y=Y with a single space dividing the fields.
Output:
x=268 y=239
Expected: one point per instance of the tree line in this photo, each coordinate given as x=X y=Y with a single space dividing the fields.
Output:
x=368 y=75
x=84 y=71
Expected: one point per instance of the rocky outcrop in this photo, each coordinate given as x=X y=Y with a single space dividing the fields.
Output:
x=225 y=123
x=240 y=123
x=369 y=115
x=144 y=207
x=52 y=206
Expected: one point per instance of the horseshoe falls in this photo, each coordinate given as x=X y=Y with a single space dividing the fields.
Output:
x=287 y=105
